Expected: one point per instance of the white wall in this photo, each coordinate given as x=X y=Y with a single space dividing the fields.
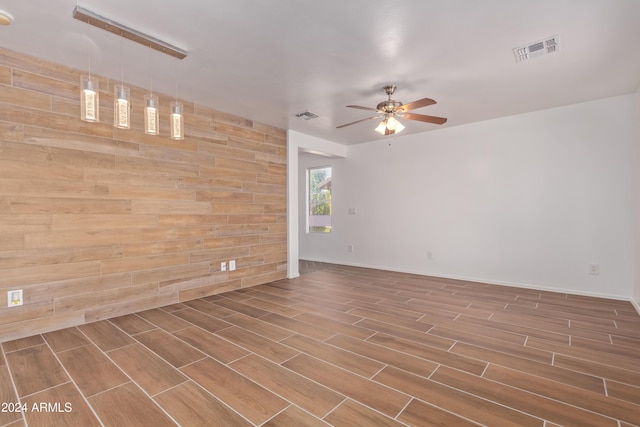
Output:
x=298 y=143
x=527 y=200
x=314 y=246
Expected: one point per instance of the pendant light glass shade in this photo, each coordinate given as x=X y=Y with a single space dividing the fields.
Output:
x=177 y=121
x=151 y=125
x=89 y=99
x=122 y=107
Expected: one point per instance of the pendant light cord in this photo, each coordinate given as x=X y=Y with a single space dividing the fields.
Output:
x=175 y=72
x=89 y=44
x=150 y=73
x=121 y=65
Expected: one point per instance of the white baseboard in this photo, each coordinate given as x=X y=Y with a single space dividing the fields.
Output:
x=488 y=281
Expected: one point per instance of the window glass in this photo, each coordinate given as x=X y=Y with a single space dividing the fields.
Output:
x=319 y=200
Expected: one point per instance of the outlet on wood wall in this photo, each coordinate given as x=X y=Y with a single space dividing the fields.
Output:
x=97 y=222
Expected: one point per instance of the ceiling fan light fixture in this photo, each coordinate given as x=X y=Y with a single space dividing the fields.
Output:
x=382 y=127
x=390 y=109
x=5 y=18
x=394 y=124
x=389 y=126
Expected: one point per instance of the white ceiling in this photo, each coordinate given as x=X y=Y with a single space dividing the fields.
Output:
x=267 y=60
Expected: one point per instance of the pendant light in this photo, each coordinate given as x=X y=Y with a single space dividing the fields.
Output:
x=89 y=95
x=121 y=101
x=151 y=114
x=151 y=104
x=89 y=92
x=121 y=107
x=89 y=99
x=176 y=121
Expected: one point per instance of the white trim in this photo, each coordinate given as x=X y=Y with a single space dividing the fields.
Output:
x=292 y=206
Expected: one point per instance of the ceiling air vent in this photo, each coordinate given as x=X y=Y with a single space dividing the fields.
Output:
x=307 y=115
x=539 y=48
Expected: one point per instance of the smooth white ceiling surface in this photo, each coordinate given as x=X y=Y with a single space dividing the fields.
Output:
x=267 y=60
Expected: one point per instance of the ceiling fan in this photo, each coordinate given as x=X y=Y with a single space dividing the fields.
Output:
x=391 y=110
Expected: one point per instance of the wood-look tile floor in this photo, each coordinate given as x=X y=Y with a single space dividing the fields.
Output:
x=338 y=346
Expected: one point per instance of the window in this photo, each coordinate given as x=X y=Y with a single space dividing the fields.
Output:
x=319 y=200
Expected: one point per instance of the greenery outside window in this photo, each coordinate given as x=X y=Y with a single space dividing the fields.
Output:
x=319 y=199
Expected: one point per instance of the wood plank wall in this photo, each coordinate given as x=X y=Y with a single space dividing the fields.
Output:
x=97 y=222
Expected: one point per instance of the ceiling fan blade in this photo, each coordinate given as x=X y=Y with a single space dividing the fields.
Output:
x=357 y=121
x=417 y=104
x=362 y=108
x=423 y=118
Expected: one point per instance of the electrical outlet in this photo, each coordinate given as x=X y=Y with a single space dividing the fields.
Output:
x=223 y=266
x=594 y=269
x=429 y=255
x=232 y=265
x=15 y=298
x=353 y=211
x=350 y=248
